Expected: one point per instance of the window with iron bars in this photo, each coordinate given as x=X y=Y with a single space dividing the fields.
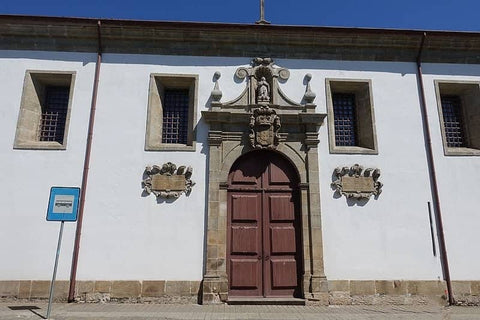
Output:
x=453 y=121
x=344 y=113
x=54 y=114
x=175 y=116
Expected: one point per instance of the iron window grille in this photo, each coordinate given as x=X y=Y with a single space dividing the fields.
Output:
x=175 y=116
x=453 y=121
x=54 y=114
x=345 y=122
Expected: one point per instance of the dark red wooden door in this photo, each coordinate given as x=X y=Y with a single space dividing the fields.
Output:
x=264 y=240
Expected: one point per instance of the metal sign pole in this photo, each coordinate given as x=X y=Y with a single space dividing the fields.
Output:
x=62 y=206
x=52 y=285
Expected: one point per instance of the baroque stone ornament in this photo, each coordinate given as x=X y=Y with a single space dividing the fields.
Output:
x=357 y=182
x=262 y=84
x=264 y=128
x=216 y=92
x=309 y=95
x=167 y=181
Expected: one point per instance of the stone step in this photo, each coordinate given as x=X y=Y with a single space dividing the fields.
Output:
x=265 y=301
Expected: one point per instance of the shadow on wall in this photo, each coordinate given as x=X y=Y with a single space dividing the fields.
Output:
x=85 y=58
x=188 y=61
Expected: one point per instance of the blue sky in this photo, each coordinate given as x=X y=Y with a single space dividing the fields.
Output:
x=399 y=14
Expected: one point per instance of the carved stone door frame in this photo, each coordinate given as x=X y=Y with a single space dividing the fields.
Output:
x=230 y=136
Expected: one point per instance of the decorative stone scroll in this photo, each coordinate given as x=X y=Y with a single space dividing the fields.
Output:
x=167 y=181
x=356 y=182
x=264 y=128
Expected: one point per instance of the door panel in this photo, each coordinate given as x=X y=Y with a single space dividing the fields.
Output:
x=282 y=240
x=283 y=245
x=245 y=240
x=281 y=207
x=284 y=274
x=249 y=174
x=244 y=207
x=246 y=274
x=277 y=175
x=264 y=240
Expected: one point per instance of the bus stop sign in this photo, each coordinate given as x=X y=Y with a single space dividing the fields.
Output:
x=63 y=204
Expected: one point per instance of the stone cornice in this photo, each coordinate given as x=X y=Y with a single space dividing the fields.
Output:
x=228 y=117
x=238 y=40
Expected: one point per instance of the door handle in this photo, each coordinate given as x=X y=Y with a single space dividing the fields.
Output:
x=267 y=257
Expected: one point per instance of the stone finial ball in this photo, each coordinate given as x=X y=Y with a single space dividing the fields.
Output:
x=217 y=74
x=308 y=77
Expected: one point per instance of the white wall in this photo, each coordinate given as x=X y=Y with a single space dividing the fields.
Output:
x=458 y=181
x=27 y=241
x=130 y=236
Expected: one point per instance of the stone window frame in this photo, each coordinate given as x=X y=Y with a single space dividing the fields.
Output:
x=469 y=93
x=30 y=113
x=153 y=133
x=365 y=115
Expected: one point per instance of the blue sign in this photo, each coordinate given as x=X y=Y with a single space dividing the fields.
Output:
x=63 y=204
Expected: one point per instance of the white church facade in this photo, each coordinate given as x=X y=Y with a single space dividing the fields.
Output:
x=239 y=163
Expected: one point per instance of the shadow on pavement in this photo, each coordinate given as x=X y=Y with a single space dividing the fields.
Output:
x=31 y=308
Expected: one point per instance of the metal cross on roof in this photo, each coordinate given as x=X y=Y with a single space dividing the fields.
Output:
x=262 y=14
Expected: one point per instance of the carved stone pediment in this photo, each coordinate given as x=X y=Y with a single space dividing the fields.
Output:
x=167 y=181
x=262 y=85
x=254 y=116
x=356 y=182
x=264 y=128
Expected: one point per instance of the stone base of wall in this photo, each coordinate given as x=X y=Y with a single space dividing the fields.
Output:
x=215 y=290
x=402 y=292
x=386 y=292
x=340 y=292
x=105 y=291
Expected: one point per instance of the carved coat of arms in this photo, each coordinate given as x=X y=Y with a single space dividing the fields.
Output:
x=167 y=181
x=264 y=128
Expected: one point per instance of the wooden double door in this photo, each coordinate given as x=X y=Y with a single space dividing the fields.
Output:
x=264 y=256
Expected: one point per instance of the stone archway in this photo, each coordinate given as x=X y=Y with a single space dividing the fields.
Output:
x=246 y=124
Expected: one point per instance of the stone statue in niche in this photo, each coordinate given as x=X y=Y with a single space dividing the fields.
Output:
x=262 y=86
x=356 y=182
x=263 y=90
x=167 y=181
x=264 y=128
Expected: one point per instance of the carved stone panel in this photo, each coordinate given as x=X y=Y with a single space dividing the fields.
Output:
x=167 y=181
x=173 y=183
x=356 y=182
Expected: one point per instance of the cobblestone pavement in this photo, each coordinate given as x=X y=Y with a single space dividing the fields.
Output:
x=80 y=311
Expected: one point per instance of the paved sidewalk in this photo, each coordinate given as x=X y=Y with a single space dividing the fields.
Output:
x=80 y=311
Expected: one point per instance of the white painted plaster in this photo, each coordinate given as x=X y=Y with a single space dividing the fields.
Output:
x=27 y=241
x=458 y=181
x=129 y=236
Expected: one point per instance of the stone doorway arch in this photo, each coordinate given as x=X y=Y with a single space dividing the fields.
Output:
x=272 y=123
